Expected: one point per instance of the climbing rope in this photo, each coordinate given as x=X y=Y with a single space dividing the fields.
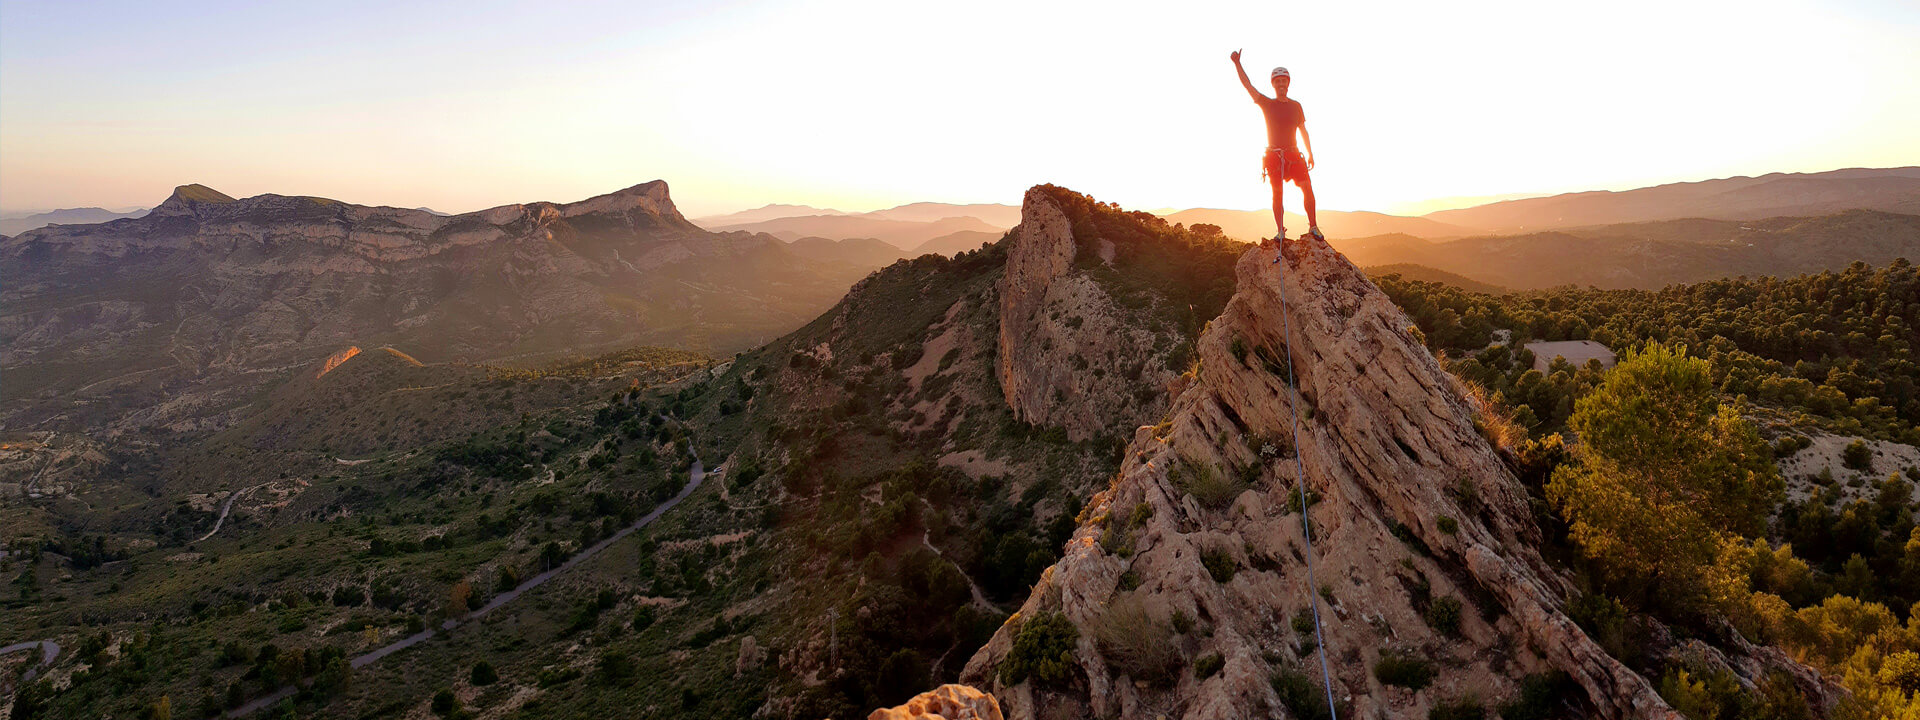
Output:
x=1300 y=478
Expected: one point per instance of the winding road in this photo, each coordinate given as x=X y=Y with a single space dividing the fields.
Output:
x=48 y=651
x=224 y=509
x=694 y=475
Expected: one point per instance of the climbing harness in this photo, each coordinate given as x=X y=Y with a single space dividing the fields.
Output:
x=1300 y=479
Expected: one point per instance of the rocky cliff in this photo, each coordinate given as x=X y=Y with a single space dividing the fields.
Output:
x=1186 y=584
x=190 y=305
x=1064 y=343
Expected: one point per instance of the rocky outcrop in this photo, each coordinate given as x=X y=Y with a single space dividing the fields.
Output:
x=1197 y=549
x=208 y=295
x=947 y=702
x=1064 y=345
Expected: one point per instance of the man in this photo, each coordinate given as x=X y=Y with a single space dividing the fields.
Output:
x=1283 y=162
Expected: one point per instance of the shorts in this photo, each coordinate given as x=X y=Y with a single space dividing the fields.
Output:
x=1286 y=165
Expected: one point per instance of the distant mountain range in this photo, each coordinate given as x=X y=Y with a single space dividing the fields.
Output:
x=1254 y=225
x=177 y=316
x=899 y=233
x=71 y=216
x=1779 y=194
x=1656 y=254
x=1737 y=198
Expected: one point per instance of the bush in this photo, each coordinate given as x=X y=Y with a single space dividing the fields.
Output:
x=1303 y=699
x=1444 y=614
x=483 y=674
x=1465 y=708
x=1539 y=697
x=1857 y=456
x=1449 y=525
x=1207 y=665
x=1404 y=670
x=1219 y=563
x=1043 y=650
x=1208 y=486
x=1134 y=642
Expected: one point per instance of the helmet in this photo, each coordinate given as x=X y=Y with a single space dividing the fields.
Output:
x=1281 y=72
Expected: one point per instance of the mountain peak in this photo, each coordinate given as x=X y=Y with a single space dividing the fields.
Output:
x=1409 y=502
x=184 y=197
x=648 y=200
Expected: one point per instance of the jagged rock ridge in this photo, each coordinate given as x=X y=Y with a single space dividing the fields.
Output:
x=1413 y=507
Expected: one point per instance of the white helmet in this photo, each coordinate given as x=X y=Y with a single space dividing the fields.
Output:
x=1281 y=72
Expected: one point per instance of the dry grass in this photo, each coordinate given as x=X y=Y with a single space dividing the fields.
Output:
x=1136 y=643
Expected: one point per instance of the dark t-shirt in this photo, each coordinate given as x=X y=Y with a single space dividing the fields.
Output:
x=1283 y=118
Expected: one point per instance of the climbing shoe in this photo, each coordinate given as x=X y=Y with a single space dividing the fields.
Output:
x=1315 y=233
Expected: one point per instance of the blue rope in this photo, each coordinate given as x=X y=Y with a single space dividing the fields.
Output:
x=1300 y=479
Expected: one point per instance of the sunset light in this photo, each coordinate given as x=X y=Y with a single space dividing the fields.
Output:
x=866 y=104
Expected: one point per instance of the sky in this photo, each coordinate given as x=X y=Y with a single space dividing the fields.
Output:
x=859 y=105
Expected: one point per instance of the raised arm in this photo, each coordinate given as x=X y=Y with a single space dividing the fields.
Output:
x=1244 y=82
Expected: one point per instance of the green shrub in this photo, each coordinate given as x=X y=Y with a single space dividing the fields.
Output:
x=1043 y=650
x=1444 y=614
x=1118 y=536
x=1464 y=708
x=1207 y=665
x=1539 y=697
x=1449 y=525
x=1208 y=486
x=483 y=674
x=1219 y=563
x=1303 y=698
x=1182 y=622
x=1857 y=456
x=1293 y=499
x=1404 y=670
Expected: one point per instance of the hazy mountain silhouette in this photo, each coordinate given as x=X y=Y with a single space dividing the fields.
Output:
x=763 y=213
x=68 y=216
x=900 y=233
x=1253 y=225
x=1737 y=198
x=1655 y=254
x=950 y=245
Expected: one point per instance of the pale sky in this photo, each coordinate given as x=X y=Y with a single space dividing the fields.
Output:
x=860 y=104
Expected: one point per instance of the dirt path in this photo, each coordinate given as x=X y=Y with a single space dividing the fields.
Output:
x=48 y=651
x=694 y=475
x=226 y=508
x=978 y=598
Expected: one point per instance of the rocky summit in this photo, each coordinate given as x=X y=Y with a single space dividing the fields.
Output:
x=173 y=319
x=1185 y=592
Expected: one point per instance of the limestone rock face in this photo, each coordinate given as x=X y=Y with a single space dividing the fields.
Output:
x=1196 y=549
x=1064 y=343
x=947 y=702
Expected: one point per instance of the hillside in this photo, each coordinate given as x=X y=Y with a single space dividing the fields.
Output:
x=1895 y=190
x=1651 y=255
x=174 y=319
x=954 y=244
x=1410 y=271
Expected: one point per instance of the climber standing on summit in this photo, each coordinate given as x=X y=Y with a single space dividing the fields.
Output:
x=1283 y=162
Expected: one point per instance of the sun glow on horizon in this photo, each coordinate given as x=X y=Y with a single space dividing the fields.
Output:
x=863 y=104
